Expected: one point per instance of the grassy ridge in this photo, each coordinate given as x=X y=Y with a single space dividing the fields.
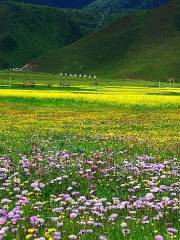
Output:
x=138 y=46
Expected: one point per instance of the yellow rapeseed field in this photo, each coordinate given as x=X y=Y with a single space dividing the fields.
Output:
x=115 y=96
x=139 y=116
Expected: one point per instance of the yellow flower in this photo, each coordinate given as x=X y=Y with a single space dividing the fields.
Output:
x=29 y=236
x=46 y=234
x=31 y=230
x=50 y=230
x=30 y=193
x=37 y=193
x=61 y=217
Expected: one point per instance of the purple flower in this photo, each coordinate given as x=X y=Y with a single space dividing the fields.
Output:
x=113 y=216
x=57 y=236
x=35 y=184
x=2 y=220
x=23 y=201
x=3 y=232
x=172 y=231
x=102 y=238
x=6 y=201
x=98 y=224
x=15 y=215
x=159 y=237
x=73 y=215
x=36 y=220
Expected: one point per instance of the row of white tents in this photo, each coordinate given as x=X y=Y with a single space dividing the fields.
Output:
x=78 y=75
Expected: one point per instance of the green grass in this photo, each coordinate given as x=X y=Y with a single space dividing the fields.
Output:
x=144 y=45
x=50 y=80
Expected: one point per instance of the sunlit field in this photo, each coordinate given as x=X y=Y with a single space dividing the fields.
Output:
x=90 y=159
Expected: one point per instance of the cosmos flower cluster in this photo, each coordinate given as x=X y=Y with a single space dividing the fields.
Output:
x=61 y=195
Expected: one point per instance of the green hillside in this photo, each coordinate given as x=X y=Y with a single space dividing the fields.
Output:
x=116 y=5
x=28 y=31
x=140 y=46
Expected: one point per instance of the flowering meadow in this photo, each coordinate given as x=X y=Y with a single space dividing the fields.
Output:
x=63 y=195
x=89 y=163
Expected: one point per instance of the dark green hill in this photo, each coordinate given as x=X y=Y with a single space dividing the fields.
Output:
x=58 y=3
x=28 y=31
x=117 y=5
x=143 y=45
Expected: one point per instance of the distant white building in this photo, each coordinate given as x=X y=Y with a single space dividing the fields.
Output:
x=75 y=75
